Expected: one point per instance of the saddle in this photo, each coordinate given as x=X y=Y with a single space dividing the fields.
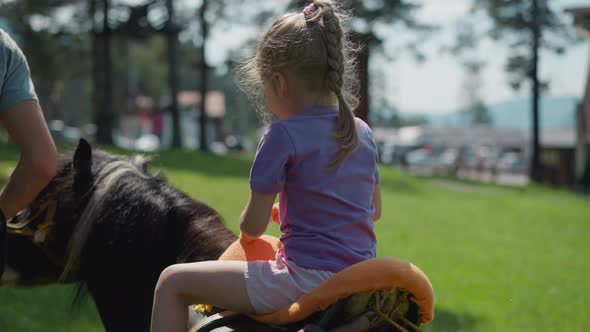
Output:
x=381 y=294
x=346 y=315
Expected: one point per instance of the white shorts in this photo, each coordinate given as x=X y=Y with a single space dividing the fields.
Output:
x=273 y=285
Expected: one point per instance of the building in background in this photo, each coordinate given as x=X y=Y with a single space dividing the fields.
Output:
x=483 y=153
x=558 y=157
x=582 y=154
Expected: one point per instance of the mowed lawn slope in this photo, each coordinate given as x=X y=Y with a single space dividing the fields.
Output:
x=500 y=259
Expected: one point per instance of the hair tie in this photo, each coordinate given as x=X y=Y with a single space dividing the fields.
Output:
x=309 y=11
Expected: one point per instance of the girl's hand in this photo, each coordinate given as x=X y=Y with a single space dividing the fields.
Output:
x=274 y=214
x=244 y=239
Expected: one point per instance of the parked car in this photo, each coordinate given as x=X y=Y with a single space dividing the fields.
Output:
x=512 y=162
x=447 y=160
x=387 y=153
x=423 y=160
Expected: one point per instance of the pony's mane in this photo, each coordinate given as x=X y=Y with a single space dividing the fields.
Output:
x=103 y=184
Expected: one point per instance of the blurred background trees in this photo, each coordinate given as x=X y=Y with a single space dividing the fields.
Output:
x=53 y=33
x=111 y=73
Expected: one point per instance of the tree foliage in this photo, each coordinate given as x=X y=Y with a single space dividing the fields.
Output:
x=56 y=36
x=512 y=23
x=50 y=39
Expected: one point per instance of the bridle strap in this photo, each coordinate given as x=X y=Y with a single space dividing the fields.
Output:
x=38 y=233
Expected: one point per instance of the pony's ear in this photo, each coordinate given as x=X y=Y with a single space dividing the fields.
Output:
x=83 y=152
x=82 y=164
x=83 y=157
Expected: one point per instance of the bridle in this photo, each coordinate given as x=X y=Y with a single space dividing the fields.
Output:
x=37 y=232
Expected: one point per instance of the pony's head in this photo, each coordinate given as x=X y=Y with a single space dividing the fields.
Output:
x=45 y=237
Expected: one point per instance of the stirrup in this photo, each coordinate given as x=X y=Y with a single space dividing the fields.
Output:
x=214 y=321
x=393 y=309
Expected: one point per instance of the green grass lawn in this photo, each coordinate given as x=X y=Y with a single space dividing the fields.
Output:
x=500 y=259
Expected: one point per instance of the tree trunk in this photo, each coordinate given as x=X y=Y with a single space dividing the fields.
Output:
x=362 y=69
x=171 y=37
x=536 y=172
x=204 y=79
x=103 y=94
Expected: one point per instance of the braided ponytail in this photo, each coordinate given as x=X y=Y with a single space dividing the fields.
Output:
x=314 y=45
x=346 y=133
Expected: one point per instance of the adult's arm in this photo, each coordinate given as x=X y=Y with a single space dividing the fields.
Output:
x=25 y=124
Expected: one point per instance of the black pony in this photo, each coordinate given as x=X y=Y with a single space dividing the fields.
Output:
x=108 y=224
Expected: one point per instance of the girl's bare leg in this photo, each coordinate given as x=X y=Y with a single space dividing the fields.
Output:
x=220 y=283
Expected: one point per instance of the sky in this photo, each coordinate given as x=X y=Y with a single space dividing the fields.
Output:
x=435 y=86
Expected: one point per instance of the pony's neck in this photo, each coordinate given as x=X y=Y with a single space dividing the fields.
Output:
x=205 y=239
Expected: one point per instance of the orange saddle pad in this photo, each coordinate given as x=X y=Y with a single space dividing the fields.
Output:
x=382 y=273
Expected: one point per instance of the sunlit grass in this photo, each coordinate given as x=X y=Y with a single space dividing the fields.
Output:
x=500 y=259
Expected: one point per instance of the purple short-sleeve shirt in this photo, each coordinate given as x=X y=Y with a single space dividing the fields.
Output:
x=326 y=214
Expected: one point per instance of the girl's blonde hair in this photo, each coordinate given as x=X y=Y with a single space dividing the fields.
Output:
x=316 y=48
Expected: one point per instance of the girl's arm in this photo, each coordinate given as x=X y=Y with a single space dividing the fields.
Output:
x=377 y=202
x=26 y=126
x=255 y=217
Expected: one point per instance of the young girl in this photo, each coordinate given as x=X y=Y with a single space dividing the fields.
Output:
x=318 y=156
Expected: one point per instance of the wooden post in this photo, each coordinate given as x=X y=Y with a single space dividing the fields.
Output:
x=203 y=146
x=171 y=37
x=536 y=172
x=103 y=114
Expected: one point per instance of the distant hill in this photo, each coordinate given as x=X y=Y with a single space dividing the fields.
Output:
x=556 y=112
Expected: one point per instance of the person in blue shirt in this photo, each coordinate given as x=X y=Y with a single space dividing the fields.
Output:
x=22 y=119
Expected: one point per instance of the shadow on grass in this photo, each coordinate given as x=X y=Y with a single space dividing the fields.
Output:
x=204 y=163
x=231 y=165
x=400 y=185
x=450 y=321
x=396 y=181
